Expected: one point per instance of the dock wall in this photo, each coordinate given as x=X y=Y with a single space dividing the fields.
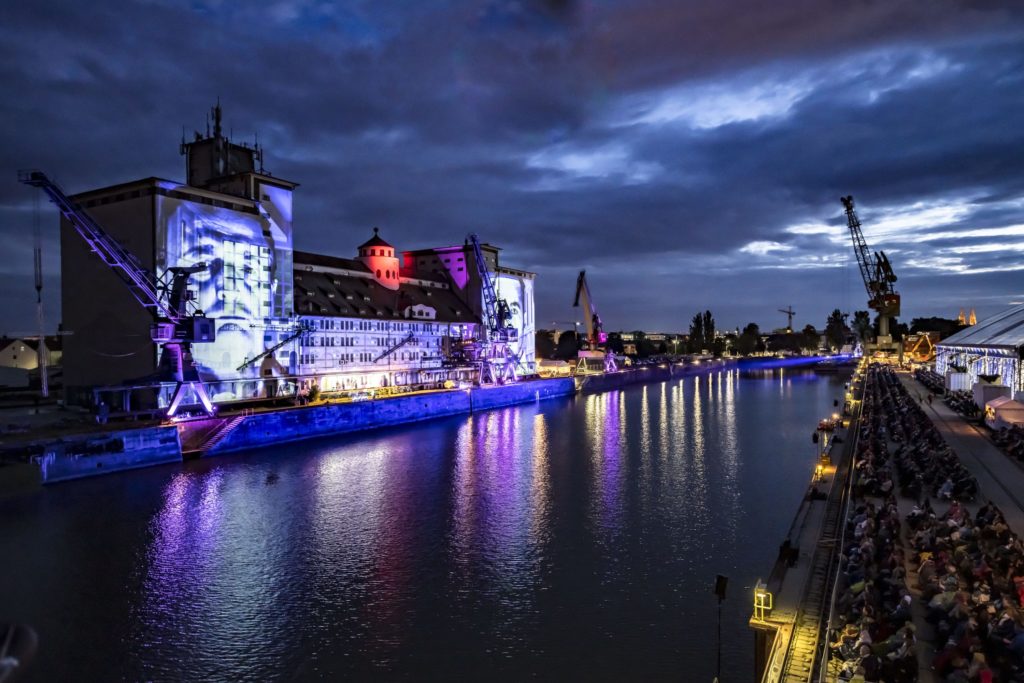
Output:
x=93 y=454
x=261 y=429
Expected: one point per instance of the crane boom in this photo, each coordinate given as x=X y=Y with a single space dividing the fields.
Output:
x=497 y=317
x=595 y=329
x=877 y=273
x=270 y=351
x=860 y=246
x=177 y=322
x=126 y=266
x=492 y=309
x=596 y=336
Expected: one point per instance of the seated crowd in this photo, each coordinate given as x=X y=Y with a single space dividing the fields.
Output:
x=970 y=569
x=1011 y=440
x=960 y=401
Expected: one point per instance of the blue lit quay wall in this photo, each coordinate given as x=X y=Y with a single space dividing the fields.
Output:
x=262 y=429
x=90 y=455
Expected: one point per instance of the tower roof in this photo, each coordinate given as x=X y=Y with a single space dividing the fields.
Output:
x=375 y=241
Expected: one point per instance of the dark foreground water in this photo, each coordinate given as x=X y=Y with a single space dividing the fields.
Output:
x=573 y=539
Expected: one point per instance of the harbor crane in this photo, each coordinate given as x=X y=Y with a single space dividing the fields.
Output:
x=498 y=362
x=299 y=330
x=597 y=338
x=878 y=276
x=177 y=321
x=788 y=310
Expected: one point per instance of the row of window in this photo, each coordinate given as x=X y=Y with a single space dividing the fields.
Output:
x=367 y=325
x=342 y=358
x=323 y=340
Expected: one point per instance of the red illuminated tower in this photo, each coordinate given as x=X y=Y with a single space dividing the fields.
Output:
x=379 y=257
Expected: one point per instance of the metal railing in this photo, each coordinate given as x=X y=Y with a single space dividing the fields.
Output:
x=824 y=658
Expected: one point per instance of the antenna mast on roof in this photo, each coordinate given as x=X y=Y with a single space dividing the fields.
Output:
x=216 y=118
x=37 y=258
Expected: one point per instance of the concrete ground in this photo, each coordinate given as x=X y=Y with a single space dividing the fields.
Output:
x=1000 y=478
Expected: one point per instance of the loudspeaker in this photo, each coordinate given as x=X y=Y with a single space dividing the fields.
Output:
x=720 y=583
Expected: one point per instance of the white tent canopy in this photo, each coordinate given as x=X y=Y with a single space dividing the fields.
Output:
x=1004 y=412
x=992 y=348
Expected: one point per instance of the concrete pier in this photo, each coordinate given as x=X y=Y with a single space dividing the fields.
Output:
x=787 y=637
x=111 y=451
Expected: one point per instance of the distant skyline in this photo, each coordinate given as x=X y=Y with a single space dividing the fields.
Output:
x=688 y=155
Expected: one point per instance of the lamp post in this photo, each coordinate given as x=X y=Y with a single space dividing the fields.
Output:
x=720 y=583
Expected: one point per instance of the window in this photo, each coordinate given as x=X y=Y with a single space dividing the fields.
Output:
x=246 y=279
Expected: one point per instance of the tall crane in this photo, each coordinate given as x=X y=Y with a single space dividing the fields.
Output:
x=177 y=321
x=788 y=310
x=597 y=338
x=498 y=362
x=878 y=276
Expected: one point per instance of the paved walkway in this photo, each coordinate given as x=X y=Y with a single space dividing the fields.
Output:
x=1000 y=478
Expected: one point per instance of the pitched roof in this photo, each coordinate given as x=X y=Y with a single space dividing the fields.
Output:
x=1004 y=330
x=324 y=293
x=375 y=241
x=322 y=260
x=54 y=342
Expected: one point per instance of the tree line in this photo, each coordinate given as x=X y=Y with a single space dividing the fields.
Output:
x=840 y=329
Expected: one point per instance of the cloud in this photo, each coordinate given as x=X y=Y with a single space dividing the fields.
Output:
x=689 y=155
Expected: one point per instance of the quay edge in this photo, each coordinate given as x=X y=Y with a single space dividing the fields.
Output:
x=93 y=454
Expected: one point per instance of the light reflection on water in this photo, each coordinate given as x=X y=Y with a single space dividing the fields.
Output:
x=564 y=539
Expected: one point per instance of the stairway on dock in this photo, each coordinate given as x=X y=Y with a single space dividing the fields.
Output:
x=202 y=436
x=221 y=433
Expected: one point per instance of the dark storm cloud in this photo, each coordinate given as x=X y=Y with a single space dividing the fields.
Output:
x=690 y=155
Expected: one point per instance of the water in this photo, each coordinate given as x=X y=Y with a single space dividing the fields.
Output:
x=571 y=539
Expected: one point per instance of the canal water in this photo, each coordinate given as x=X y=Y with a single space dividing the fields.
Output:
x=572 y=539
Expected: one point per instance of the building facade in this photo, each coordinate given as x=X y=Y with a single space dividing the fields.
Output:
x=283 y=320
x=368 y=326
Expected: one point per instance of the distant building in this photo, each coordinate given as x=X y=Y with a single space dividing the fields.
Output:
x=23 y=352
x=656 y=342
x=373 y=320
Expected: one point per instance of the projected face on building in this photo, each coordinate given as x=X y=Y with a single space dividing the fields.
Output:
x=248 y=283
x=518 y=294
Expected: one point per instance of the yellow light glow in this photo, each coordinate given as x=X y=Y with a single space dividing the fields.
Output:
x=762 y=601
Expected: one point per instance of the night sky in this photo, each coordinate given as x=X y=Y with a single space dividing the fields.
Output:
x=689 y=155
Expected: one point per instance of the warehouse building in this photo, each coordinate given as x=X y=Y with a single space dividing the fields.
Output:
x=284 y=320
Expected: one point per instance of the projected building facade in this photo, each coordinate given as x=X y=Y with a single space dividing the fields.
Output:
x=375 y=320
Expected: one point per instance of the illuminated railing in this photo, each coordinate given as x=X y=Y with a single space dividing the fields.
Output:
x=763 y=602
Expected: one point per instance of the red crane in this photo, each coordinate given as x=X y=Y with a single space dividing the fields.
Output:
x=597 y=338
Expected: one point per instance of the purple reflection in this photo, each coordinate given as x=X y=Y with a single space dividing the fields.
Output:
x=389 y=611
x=612 y=458
x=496 y=529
